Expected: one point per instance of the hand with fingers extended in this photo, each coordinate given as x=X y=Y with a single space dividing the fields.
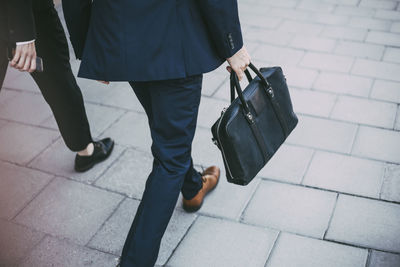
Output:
x=25 y=57
x=239 y=62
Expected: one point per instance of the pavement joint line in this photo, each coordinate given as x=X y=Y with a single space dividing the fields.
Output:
x=241 y=215
x=33 y=198
x=30 y=124
x=183 y=237
x=329 y=190
x=124 y=151
x=331 y=217
x=384 y=171
x=368 y=262
x=248 y=200
x=354 y=140
x=273 y=247
x=308 y=166
x=361 y=246
x=43 y=150
x=333 y=106
x=28 y=253
x=104 y=222
x=296 y=233
x=21 y=90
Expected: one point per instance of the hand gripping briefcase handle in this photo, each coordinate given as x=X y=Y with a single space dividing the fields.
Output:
x=268 y=88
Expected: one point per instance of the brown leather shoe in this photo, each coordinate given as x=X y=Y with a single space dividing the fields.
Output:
x=210 y=178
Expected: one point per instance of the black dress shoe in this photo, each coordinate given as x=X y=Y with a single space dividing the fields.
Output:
x=102 y=150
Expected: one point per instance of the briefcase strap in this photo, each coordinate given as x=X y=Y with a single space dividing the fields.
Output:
x=250 y=118
x=268 y=89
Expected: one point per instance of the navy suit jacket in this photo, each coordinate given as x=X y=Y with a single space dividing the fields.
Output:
x=146 y=40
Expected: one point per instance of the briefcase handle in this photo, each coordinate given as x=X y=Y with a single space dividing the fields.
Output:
x=270 y=92
x=249 y=78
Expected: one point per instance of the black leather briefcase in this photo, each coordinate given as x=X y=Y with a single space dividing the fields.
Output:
x=255 y=125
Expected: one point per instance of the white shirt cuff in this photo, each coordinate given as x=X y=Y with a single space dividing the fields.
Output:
x=27 y=42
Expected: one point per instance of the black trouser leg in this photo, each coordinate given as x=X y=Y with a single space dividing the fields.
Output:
x=3 y=62
x=57 y=83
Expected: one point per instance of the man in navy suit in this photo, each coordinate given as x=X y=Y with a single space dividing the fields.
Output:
x=162 y=47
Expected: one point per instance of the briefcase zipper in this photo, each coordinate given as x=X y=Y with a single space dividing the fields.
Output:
x=220 y=143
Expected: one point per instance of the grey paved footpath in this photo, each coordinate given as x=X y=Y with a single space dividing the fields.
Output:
x=329 y=197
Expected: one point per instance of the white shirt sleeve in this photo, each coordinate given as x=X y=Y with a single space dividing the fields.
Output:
x=27 y=42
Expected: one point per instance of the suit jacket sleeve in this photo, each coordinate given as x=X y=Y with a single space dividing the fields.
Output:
x=21 y=24
x=222 y=19
x=77 y=17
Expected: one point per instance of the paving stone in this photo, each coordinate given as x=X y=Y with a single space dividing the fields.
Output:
x=395 y=27
x=27 y=108
x=291 y=208
x=379 y=4
x=300 y=77
x=268 y=36
x=15 y=242
x=289 y=164
x=99 y=117
x=377 y=144
x=297 y=251
x=365 y=111
x=387 y=14
x=59 y=160
x=261 y=21
x=292 y=14
x=69 y=209
x=111 y=237
x=329 y=19
x=327 y=62
x=11 y=75
x=21 y=143
x=212 y=82
x=18 y=186
x=391 y=183
x=286 y=3
x=21 y=81
x=210 y=110
x=383 y=259
x=204 y=152
x=344 y=33
x=379 y=220
x=227 y=200
x=355 y=11
x=385 y=38
x=345 y=174
x=302 y=98
x=313 y=43
x=129 y=174
x=392 y=55
x=386 y=90
x=323 y=134
x=397 y=123
x=55 y=252
x=132 y=129
x=305 y=28
x=362 y=50
x=370 y=23
x=278 y=55
x=215 y=242
x=122 y=96
x=343 y=84
x=315 y=5
x=7 y=96
x=377 y=69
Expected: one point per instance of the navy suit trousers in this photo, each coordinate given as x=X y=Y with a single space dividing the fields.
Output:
x=171 y=107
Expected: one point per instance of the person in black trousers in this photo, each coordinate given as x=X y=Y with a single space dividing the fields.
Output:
x=33 y=27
